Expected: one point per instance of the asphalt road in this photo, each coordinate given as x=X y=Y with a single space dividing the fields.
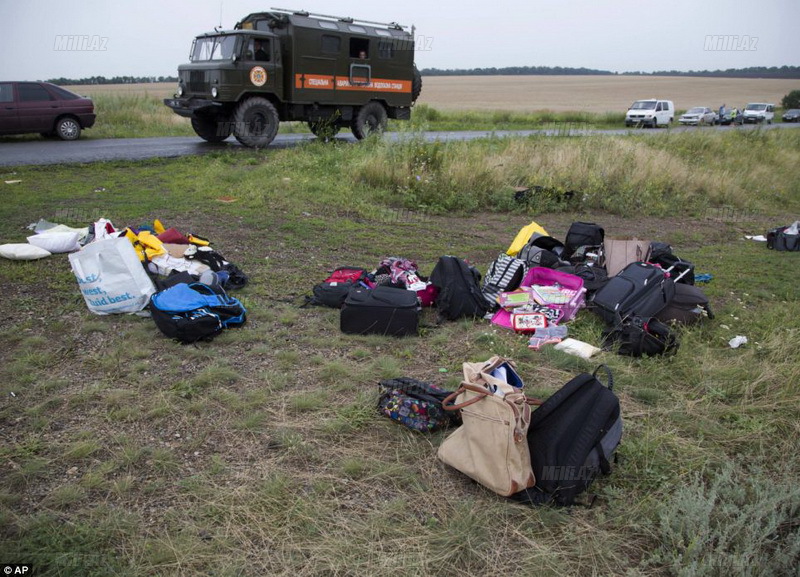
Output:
x=45 y=151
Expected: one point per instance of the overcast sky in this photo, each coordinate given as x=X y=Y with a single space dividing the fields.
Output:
x=152 y=37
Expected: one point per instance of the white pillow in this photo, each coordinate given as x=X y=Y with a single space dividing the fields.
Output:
x=22 y=251
x=56 y=242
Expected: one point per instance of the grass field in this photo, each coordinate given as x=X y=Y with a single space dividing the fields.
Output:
x=466 y=103
x=592 y=94
x=261 y=452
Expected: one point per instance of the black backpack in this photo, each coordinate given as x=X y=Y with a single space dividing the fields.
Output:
x=459 y=289
x=594 y=277
x=638 y=336
x=572 y=438
x=542 y=250
x=195 y=312
x=584 y=234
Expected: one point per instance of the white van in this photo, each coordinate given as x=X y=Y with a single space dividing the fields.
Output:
x=759 y=112
x=652 y=112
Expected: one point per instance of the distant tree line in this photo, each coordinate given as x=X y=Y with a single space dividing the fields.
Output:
x=752 y=72
x=514 y=71
x=112 y=80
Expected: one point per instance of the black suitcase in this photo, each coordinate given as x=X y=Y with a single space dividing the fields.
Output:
x=778 y=239
x=640 y=289
x=681 y=270
x=689 y=305
x=383 y=310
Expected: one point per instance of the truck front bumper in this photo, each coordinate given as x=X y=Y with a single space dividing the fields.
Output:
x=189 y=107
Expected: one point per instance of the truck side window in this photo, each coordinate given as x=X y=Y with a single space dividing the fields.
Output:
x=359 y=48
x=258 y=49
x=658 y=107
x=385 y=49
x=331 y=44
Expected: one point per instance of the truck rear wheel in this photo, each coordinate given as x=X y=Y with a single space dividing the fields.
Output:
x=211 y=130
x=371 y=119
x=255 y=122
x=416 y=85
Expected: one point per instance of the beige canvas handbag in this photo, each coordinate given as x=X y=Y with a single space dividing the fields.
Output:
x=491 y=445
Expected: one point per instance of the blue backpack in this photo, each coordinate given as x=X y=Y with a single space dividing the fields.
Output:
x=193 y=312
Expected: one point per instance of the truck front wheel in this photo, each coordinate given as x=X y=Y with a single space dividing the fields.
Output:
x=211 y=130
x=371 y=119
x=255 y=122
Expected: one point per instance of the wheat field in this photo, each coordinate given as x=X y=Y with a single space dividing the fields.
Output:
x=595 y=93
x=556 y=93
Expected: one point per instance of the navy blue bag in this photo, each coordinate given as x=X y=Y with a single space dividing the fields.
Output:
x=192 y=312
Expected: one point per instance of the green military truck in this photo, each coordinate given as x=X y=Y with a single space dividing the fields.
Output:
x=295 y=66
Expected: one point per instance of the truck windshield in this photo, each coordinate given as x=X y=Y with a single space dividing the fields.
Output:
x=756 y=107
x=213 y=48
x=643 y=105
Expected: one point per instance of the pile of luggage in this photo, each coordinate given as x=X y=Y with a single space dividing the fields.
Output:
x=535 y=287
x=178 y=277
x=389 y=299
x=638 y=288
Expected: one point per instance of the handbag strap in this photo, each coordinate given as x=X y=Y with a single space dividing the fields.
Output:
x=448 y=403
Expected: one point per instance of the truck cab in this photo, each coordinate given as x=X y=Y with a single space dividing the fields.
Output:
x=287 y=66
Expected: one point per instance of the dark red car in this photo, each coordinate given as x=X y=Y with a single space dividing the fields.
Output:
x=44 y=108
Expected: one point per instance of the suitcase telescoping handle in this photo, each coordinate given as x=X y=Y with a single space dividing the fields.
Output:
x=685 y=271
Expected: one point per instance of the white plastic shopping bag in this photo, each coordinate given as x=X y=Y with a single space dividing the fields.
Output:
x=111 y=277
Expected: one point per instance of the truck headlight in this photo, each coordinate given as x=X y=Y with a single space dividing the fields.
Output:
x=214 y=92
x=180 y=90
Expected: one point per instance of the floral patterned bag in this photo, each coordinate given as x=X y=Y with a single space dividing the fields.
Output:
x=415 y=404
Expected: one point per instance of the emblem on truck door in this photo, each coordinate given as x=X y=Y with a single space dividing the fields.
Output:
x=258 y=75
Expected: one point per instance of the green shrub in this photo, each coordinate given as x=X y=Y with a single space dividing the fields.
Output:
x=735 y=523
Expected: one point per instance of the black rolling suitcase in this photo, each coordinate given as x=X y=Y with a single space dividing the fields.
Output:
x=681 y=270
x=382 y=310
x=640 y=289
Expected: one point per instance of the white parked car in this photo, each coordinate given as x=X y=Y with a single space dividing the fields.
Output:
x=652 y=112
x=699 y=115
x=759 y=112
